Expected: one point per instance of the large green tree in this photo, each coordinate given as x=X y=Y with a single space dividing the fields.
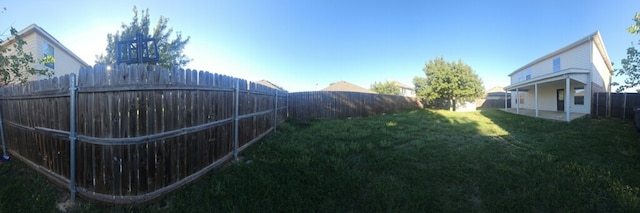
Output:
x=170 y=49
x=16 y=65
x=386 y=88
x=448 y=81
x=630 y=64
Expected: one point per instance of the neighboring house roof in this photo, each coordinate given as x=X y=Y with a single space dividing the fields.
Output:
x=346 y=87
x=401 y=85
x=495 y=89
x=269 y=84
x=595 y=37
x=33 y=28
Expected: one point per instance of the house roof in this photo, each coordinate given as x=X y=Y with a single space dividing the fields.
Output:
x=401 y=85
x=33 y=28
x=495 y=89
x=595 y=37
x=270 y=85
x=344 y=86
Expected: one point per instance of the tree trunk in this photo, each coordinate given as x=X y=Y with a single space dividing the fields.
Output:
x=452 y=104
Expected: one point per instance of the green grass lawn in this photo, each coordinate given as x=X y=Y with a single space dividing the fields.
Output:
x=423 y=160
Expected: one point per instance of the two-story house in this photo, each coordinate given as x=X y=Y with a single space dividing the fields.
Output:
x=41 y=44
x=564 y=80
x=405 y=90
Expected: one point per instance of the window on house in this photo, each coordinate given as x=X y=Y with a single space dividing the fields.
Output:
x=578 y=96
x=527 y=74
x=520 y=77
x=556 y=64
x=521 y=98
x=48 y=51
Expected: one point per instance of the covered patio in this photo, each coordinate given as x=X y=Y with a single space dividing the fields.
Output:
x=551 y=96
x=545 y=114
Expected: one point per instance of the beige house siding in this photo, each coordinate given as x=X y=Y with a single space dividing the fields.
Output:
x=577 y=57
x=547 y=98
x=601 y=77
x=66 y=62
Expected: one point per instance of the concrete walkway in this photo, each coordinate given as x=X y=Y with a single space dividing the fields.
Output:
x=549 y=115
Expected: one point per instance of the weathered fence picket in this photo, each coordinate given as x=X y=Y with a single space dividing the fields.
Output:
x=617 y=105
x=330 y=104
x=141 y=130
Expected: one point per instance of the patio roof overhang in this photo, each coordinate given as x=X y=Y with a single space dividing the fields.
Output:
x=572 y=73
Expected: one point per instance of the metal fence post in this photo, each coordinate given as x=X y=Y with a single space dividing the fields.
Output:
x=624 y=107
x=275 y=114
x=73 y=91
x=597 y=104
x=235 y=120
x=4 y=145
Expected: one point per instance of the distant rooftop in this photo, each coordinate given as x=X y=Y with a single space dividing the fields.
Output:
x=269 y=84
x=401 y=85
x=344 y=86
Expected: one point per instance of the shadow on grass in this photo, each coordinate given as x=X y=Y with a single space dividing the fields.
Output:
x=425 y=161
x=404 y=161
x=585 y=165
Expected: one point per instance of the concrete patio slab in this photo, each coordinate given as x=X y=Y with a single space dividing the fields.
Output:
x=549 y=115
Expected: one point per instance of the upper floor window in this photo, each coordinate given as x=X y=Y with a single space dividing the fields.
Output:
x=48 y=51
x=556 y=64
x=520 y=77
x=527 y=74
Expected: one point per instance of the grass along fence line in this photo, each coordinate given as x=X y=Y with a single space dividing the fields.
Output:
x=419 y=160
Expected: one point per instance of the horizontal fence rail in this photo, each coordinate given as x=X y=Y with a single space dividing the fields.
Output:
x=139 y=131
x=330 y=104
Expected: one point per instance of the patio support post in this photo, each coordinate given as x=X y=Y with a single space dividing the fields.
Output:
x=567 y=110
x=536 y=98
x=518 y=101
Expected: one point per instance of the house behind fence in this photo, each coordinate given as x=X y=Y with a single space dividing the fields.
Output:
x=495 y=97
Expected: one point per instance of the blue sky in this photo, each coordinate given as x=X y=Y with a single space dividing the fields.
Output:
x=304 y=45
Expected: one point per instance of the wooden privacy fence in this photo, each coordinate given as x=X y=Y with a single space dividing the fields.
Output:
x=134 y=132
x=622 y=104
x=329 y=104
